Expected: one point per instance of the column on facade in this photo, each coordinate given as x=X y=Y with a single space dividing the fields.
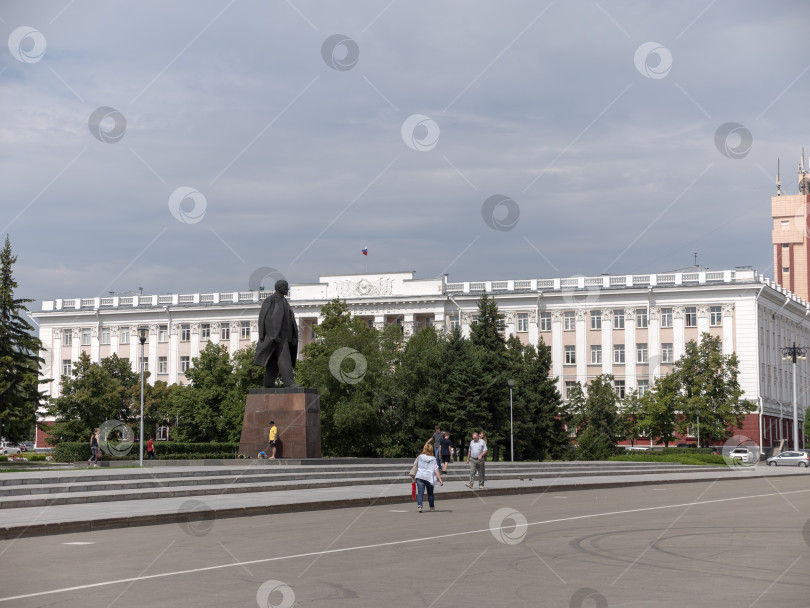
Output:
x=510 y=324
x=534 y=328
x=95 y=347
x=557 y=349
x=194 y=346
x=728 y=329
x=407 y=324
x=678 y=345
x=214 y=332
x=630 y=355
x=379 y=322
x=135 y=349
x=174 y=354
x=151 y=355
x=236 y=327
x=654 y=343
x=607 y=341
x=114 y=345
x=702 y=321
x=55 y=356
x=582 y=353
x=76 y=348
x=465 y=320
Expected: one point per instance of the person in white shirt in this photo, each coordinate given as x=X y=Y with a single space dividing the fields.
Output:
x=427 y=473
x=475 y=457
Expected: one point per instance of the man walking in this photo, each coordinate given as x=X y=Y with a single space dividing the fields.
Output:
x=437 y=437
x=477 y=452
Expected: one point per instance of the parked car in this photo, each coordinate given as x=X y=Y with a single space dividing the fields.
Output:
x=743 y=454
x=687 y=445
x=29 y=445
x=800 y=458
x=6 y=448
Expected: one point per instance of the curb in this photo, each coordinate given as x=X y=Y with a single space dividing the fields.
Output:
x=15 y=532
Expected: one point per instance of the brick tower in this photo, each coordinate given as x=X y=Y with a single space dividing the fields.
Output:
x=791 y=234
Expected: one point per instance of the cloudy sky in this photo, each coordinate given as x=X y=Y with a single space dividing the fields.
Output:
x=180 y=146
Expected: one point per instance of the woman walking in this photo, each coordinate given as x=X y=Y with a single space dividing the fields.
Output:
x=93 y=448
x=427 y=473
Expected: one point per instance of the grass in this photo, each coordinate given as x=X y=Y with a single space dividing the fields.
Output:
x=699 y=459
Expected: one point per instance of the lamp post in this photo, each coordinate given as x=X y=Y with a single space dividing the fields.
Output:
x=511 y=383
x=143 y=333
x=793 y=353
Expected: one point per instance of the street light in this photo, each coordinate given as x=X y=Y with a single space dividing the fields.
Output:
x=793 y=353
x=143 y=334
x=511 y=383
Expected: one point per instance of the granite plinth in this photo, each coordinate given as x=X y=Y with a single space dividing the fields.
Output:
x=297 y=414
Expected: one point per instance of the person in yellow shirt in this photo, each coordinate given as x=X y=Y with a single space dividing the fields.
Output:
x=272 y=437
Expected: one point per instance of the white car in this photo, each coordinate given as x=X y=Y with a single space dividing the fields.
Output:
x=6 y=448
x=743 y=454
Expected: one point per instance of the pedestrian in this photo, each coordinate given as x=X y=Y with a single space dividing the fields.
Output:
x=436 y=439
x=477 y=452
x=427 y=473
x=445 y=450
x=272 y=438
x=150 y=449
x=460 y=451
x=93 y=448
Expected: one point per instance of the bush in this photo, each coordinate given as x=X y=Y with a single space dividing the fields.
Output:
x=77 y=451
x=689 y=457
x=687 y=451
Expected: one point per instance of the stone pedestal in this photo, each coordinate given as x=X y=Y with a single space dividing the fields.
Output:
x=297 y=414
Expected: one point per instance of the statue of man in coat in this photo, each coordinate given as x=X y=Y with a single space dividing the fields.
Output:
x=277 y=349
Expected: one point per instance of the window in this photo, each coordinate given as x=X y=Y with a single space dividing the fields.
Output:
x=453 y=322
x=123 y=335
x=105 y=335
x=523 y=321
x=185 y=332
x=596 y=319
x=785 y=223
x=569 y=321
x=244 y=330
x=67 y=337
x=785 y=268
x=596 y=354
x=691 y=316
x=163 y=333
x=67 y=367
x=85 y=336
x=163 y=365
x=666 y=352
x=619 y=388
x=715 y=316
x=162 y=433
x=185 y=363
x=145 y=364
x=474 y=318
x=224 y=332
x=641 y=352
x=125 y=359
x=618 y=354
x=314 y=324
x=618 y=319
x=205 y=331
x=666 y=317
x=570 y=385
x=643 y=387
x=641 y=318
x=570 y=355
x=545 y=321
x=785 y=245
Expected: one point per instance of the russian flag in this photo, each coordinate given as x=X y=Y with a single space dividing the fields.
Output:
x=365 y=250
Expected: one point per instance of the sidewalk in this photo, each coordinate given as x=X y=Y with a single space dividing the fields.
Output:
x=59 y=519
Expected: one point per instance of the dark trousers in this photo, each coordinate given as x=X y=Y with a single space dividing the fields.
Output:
x=94 y=452
x=421 y=485
x=279 y=361
x=150 y=455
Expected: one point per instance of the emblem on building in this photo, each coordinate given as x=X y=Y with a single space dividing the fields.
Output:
x=365 y=287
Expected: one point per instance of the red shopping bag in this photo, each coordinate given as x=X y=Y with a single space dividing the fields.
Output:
x=413 y=490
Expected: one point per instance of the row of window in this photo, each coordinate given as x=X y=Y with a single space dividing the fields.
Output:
x=126 y=334
x=665 y=317
x=642 y=353
x=163 y=365
x=618 y=386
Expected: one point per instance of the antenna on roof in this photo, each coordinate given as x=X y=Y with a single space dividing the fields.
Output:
x=803 y=175
x=695 y=254
x=778 y=181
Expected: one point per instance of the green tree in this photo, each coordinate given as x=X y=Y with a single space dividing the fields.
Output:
x=599 y=420
x=709 y=390
x=659 y=409
x=19 y=358
x=633 y=421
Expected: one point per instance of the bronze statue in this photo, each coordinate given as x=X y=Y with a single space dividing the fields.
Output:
x=277 y=349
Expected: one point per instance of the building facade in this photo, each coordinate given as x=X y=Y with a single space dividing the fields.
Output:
x=631 y=326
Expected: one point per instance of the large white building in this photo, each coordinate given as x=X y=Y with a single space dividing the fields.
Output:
x=631 y=326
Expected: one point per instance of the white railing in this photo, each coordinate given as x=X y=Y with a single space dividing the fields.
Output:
x=500 y=285
x=523 y=284
x=206 y=298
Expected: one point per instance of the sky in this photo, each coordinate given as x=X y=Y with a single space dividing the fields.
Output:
x=190 y=146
